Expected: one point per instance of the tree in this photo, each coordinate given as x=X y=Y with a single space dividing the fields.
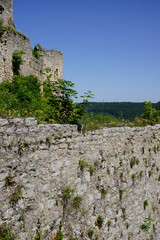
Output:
x=150 y=113
x=59 y=95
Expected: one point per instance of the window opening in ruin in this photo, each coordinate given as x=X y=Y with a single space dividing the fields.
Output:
x=1 y=9
x=56 y=73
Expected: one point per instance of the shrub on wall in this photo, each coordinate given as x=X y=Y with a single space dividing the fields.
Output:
x=17 y=61
x=35 y=53
x=1 y=28
x=23 y=98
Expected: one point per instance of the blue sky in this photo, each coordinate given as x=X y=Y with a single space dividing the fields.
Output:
x=111 y=47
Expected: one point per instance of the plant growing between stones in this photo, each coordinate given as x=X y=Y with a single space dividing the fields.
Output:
x=35 y=53
x=141 y=174
x=82 y=164
x=48 y=141
x=124 y=214
x=77 y=201
x=59 y=235
x=132 y=163
x=67 y=193
x=103 y=192
x=109 y=223
x=38 y=231
x=90 y=169
x=16 y=195
x=17 y=61
x=127 y=225
x=154 y=208
x=57 y=202
x=90 y=233
x=146 y=226
x=22 y=216
x=1 y=28
x=133 y=177
x=145 y=204
x=99 y=221
x=9 y=180
x=150 y=173
x=6 y=233
x=121 y=192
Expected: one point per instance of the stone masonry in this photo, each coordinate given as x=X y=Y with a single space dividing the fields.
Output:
x=114 y=172
x=12 y=41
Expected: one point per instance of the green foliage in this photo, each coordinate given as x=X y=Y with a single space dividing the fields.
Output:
x=77 y=201
x=35 y=53
x=121 y=192
x=145 y=204
x=9 y=28
x=59 y=235
x=132 y=163
x=109 y=223
x=103 y=192
x=17 y=61
x=146 y=226
x=90 y=169
x=38 y=231
x=6 y=233
x=93 y=122
x=22 y=216
x=150 y=113
x=133 y=177
x=67 y=193
x=48 y=141
x=59 y=96
x=99 y=221
x=1 y=28
x=23 y=98
x=90 y=233
x=16 y=195
x=82 y=164
x=129 y=109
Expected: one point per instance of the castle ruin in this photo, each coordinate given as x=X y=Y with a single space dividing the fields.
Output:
x=12 y=40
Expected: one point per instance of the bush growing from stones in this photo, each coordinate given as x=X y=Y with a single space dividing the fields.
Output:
x=6 y=233
x=17 y=61
x=1 y=28
x=99 y=221
x=67 y=193
x=145 y=204
x=77 y=201
x=90 y=233
x=82 y=164
x=59 y=235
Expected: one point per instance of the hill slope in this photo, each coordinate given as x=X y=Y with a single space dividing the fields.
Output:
x=130 y=110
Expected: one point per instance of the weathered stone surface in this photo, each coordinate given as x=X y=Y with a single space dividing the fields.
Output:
x=120 y=175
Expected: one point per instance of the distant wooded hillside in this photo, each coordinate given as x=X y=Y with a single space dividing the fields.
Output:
x=130 y=110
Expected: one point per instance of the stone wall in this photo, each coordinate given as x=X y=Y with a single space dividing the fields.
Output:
x=6 y=12
x=114 y=173
x=11 y=42
x=53 y=61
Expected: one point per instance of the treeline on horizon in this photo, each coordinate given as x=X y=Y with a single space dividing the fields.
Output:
x=127 y=110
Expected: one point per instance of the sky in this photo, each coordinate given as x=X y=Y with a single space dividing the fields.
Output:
x=111 y=47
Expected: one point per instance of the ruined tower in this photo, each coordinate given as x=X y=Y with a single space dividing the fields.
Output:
x=11 y=40
x=6 y=12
